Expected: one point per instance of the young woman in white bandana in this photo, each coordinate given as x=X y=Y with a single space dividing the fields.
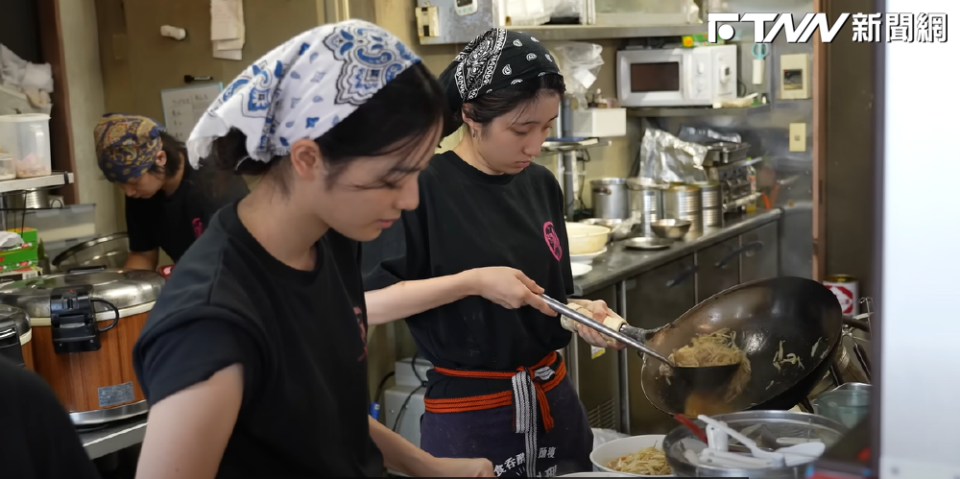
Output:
x=254 y=357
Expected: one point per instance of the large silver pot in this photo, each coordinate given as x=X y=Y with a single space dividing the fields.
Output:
x=610 y=198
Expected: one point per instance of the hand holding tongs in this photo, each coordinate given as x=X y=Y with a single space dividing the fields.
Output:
x=603 y=329
x=694 y=378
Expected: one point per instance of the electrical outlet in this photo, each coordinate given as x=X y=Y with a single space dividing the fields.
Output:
x=798 y=137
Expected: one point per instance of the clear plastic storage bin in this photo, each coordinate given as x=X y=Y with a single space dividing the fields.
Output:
x=27 y=138
x=8 y=169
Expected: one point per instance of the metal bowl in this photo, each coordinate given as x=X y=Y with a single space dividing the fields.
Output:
x=670 y=228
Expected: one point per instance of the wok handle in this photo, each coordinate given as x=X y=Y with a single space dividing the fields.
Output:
x=587 y=321
x=753 y=245
x=682 y=276
x=857 y=323
x=864 y=360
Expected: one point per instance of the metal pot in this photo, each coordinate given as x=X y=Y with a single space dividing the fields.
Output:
x=34 y=199
x=765 y=428
x=610 y=198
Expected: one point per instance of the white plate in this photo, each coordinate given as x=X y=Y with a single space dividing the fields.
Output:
x=580 y=269
x=586 y=258
x=610 y=451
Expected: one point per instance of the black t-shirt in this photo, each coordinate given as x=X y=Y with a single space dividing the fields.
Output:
x=37 y=438
x=300 y=336
x=468 y=219
x=174 y=222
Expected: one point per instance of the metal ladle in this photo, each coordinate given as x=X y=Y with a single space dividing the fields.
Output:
x=692 y=378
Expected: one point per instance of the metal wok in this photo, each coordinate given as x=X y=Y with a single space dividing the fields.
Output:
x=798 y=311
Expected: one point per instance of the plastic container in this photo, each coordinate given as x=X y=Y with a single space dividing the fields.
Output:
x=8 y=169
x=846 y=406
x=27 y=138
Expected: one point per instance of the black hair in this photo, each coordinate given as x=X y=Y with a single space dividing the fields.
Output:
x=395 y=120
x=486 y=108
x=176 y=152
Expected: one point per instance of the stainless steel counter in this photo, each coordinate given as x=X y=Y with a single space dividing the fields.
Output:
x=114 y=437
x=620 y=263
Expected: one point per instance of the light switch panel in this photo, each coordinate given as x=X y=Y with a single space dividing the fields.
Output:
x=798 y=137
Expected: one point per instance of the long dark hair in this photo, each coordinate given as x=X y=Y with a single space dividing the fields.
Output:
x=176 y=152
x=486 y=108
x=395 y=120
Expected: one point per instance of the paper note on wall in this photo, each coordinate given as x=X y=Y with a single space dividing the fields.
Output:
x=183 y=107
x=227 y=29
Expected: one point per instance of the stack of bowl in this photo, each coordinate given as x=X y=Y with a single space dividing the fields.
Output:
x=684 y=202
x=711 y=203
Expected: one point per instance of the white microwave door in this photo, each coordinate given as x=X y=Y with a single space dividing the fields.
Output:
x=650 y=78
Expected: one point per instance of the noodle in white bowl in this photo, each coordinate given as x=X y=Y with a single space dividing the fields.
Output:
x=632 y=456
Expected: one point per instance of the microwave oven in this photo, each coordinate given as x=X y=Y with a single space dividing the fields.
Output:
x=697 y=76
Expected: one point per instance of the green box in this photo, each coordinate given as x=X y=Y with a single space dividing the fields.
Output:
x=19 y=257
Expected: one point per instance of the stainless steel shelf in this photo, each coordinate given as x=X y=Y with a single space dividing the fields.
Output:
x=58 y=178
x=114 y=437
x=598 y=32
x=693 y=111
x=558 y=147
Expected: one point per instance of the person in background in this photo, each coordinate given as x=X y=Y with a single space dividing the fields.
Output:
x=169 y=203
x=37 y=438
x=254 y=359
x=488 y=238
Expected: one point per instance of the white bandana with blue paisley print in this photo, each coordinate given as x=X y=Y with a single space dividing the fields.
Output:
x=302 y=88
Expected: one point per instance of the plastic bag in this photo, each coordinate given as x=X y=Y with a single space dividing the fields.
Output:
x=665 y=158
x=529 y=12
x=603 y=436
x=568 y=8
x=580 y=63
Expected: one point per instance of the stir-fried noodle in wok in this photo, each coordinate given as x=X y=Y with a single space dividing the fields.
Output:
x=718 y=348
x=650 y=461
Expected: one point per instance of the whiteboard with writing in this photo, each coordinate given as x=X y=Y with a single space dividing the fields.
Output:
x=183 y=107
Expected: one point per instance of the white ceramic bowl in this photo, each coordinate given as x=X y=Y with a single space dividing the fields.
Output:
x=586 y=258
x=586 y=239
x=610 y=451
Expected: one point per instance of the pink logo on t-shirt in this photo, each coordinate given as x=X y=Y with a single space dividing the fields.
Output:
x=553 y=241
x=197 y=227
x=363 y=331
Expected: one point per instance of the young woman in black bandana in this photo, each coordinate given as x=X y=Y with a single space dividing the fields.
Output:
x=467 y=267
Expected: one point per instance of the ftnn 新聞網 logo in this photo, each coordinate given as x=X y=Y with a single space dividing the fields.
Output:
x=866 y=27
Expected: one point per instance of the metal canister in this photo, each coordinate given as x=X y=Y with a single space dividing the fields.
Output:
x=711 y=203
x=684 y=202
x=610 y=198
x=645 y=201
x=847 y=290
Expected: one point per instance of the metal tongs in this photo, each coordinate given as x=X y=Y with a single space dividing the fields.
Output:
x=698 y=377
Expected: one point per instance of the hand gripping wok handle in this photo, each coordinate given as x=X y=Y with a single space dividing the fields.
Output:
x=580 y=318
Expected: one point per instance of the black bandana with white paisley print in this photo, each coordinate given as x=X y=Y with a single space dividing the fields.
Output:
x=494 y=60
